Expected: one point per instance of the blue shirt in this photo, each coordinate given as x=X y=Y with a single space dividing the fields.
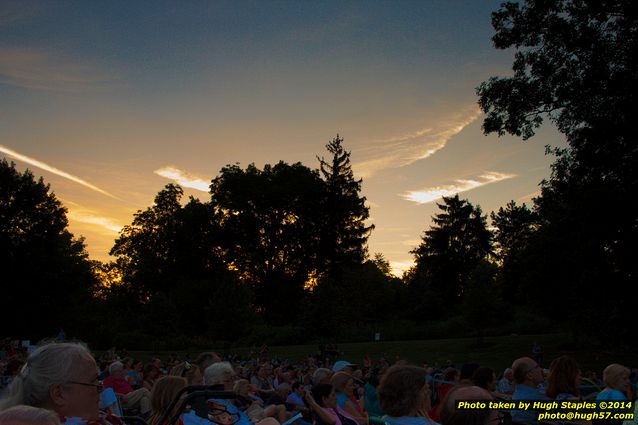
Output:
x=342 y=399
x=524 y=392
x=610 y=395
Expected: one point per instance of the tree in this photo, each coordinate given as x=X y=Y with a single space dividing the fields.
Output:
x=271 y=219
x=146 y=250
x=576 y=64
x=450 y=250
x=482 y=306
x=345 y=233
x=46 y=275
x=514 y=227
x=171 y=263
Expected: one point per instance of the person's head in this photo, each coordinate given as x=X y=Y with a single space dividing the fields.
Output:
x=127 y=362
x=297 y=388
x=116 y=369
x=617 y=377
x=324 y=395
x=451 y=415
x=403 y=391
x=155 y=361
x=321 y=376
x=527 y=372
x=206 y=359
x=508 y=374
x=151 y=372
x=283 y=390
x=221 y=373
x=451 y=374
x=485 y=378
x=138 y=366
x=28 y=415
x=164 y=392
x=265 y=370
x=342 y=382
x=242 y=387
x=564 y=377
x=189 y=371
x=58 y=376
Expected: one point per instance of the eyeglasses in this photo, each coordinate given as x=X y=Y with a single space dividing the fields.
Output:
x=99 y=385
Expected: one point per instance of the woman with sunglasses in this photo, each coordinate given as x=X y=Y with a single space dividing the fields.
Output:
x=61 y=377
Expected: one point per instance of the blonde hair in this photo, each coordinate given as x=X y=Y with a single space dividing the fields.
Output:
x=24 y=415
x=241 y=387
x=185 y=370
x=163 y=394
x=614 y=373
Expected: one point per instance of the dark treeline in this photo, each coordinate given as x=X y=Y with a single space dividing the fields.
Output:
x=279 y=254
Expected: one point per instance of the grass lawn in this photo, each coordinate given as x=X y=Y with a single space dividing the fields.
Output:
x=496 y=352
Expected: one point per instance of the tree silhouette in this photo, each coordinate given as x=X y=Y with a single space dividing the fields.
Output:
x=450 y=250
x=345 y=233
x=271 y=220
x=576 y=64
x=46 y=276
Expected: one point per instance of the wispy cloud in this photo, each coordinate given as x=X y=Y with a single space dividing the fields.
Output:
x=89 y=217
x=399 y=267
x=405 y=149
x=431 y=194
x=56 y=171
x=183 y=178
x=44 y=70
x=529 y=197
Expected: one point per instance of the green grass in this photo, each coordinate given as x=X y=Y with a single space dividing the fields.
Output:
x=496 y=352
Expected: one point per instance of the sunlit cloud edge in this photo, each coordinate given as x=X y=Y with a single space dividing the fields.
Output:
x=51 y=169
x=183 y=178
x=431 y=194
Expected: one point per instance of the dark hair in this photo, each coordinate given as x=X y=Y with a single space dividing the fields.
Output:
x=401 y=390
x=295 y=385
x=482 y=377
x=562 y=377
x=321 y=391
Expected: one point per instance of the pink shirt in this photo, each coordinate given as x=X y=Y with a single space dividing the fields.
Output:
x=119 y=385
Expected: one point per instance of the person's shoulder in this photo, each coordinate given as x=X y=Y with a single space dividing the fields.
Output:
x=611 y=394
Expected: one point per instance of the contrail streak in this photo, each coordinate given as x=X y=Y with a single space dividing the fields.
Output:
x=53 y=170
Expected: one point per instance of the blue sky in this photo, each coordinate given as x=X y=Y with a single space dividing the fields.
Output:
x=117 y=93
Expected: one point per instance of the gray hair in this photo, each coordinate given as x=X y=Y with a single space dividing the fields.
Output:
x=320 y=374
x=115 y=366
x=215 y=373
x=50 y=364
x=28 y=415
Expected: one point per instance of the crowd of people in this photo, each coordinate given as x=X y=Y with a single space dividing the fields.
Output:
x=63 y=383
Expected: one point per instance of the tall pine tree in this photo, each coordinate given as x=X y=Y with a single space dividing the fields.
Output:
x=345 y=232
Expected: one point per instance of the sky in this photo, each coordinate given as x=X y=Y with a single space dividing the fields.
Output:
x=110 y=101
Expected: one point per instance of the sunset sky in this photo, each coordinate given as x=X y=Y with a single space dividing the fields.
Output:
x=109 y=101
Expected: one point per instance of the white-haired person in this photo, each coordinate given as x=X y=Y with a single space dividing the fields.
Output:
x=28 y=415
x=223 y=376
x=617 y=384
x=139 y=399
x=60 y=377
